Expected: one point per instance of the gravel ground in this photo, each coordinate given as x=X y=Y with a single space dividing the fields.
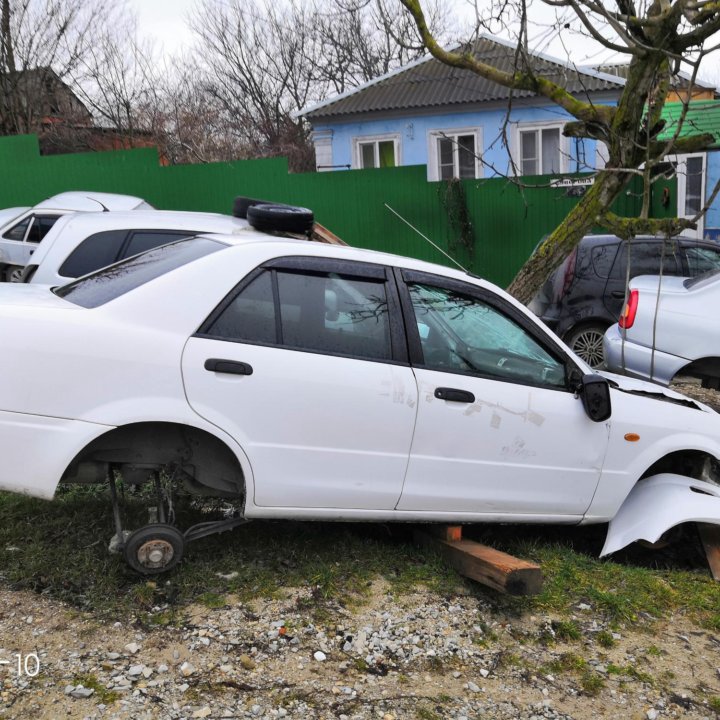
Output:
x=415 y=656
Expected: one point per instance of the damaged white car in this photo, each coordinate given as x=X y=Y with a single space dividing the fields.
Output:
x=306 y=381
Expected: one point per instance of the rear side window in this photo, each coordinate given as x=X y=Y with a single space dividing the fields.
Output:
x=112 y=282
x=17 y=232
x=645 y=259
x=93 y=253
x=315 y=311
x=701 y=259
x=148 y=239
x=602 y=259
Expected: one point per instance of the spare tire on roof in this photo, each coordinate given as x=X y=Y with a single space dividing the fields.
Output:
x=241 y=205
x=280 y=218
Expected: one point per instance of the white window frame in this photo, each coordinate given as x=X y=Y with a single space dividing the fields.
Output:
x=433 y=166
x=377 y=139
x=538 y=127
x=681 y=171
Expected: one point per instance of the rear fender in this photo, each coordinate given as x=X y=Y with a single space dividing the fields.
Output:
x=659 y=503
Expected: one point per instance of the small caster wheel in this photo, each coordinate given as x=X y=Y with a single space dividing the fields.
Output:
x=154 y=548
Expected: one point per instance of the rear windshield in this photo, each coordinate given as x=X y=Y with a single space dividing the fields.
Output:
x=120 y=278
x=701 y=280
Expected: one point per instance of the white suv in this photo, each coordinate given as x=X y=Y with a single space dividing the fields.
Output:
x=82 y=243
x=22 y=228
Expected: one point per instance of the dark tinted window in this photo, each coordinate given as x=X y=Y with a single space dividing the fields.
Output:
x=39 y=228
x=645 y=259
x=149 y=239
x=322 y=312
x=602 y=259
x=17 y=232
x=93 y=253
x=250 y=316
x=112 y=282
x=334 y=315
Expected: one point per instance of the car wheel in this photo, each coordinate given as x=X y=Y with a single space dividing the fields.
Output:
x=14 y=273
x=587 y=342
x=154 y=548
x=241 y=205
x=280 y=218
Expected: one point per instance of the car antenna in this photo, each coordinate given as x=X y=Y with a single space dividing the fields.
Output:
x=104 y=209
x=425 y=237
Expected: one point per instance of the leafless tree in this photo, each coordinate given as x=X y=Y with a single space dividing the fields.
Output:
x=261 y=61
x=41 y=42
x=658 y=37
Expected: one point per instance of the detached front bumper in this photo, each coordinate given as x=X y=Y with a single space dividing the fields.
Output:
x=629 y=358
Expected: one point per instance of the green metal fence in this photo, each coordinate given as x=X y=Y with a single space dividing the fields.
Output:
x=506 y=223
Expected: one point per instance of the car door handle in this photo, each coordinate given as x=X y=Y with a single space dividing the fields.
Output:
x=620 y=294
x=232 y=367
x=454 y=395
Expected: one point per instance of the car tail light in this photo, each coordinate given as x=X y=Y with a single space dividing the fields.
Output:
x=627 y=317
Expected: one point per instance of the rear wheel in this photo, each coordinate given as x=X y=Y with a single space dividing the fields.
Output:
x=587 y=342
x=154 y=548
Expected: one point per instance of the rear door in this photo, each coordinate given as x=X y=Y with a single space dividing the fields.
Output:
x=305 y=365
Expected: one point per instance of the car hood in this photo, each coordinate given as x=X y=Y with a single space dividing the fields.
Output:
x=652 y=390
x=22 y=295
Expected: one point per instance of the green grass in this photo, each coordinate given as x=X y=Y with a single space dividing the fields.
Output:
x=59 y=548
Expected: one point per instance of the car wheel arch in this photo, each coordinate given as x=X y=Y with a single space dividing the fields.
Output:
x=207 y=463
x=707 y=369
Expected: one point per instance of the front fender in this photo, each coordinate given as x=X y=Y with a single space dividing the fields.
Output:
x=658 y=503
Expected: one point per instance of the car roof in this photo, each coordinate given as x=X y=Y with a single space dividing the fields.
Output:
x=592 y=240
x=197 y=222
x=8 y=214
x=89 y=201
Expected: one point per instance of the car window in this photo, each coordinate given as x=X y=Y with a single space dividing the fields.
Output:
x=461 y=333
x=41 y=224
x=17 y=232
x=645 y=259
x=95 y=252
x=148 y=239
x=602 y=259
x=701 y=259
x=112 y=282
x=320 y=312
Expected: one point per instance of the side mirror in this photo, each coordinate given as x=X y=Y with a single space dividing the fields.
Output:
x=595 y=395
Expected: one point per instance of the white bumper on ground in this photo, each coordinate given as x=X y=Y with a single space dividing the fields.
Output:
x=35 y=450
x=636 y=360
x=659 y=503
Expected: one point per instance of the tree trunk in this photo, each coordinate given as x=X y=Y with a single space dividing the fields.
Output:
x=564 y=238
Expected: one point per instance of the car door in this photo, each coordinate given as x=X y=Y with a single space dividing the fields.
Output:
x=498 y=431
x=305 y=365
x=19 y=241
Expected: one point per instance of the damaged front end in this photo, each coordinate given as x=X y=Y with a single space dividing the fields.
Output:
x=660 y=502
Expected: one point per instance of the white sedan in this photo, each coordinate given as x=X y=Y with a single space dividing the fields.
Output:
x=306 y=381
x=668 y=327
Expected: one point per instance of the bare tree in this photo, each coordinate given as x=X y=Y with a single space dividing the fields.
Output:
x=658 y=37
x=41 y=42
x=260 y=62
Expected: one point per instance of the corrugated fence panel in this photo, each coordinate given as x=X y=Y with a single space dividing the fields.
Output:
x=507 y=223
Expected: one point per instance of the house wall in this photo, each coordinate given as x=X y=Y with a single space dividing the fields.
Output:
x=413 y=132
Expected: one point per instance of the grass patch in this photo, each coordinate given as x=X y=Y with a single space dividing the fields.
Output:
x=566 y=630
x=605 y=639
x=714 y=703
x=102 y=694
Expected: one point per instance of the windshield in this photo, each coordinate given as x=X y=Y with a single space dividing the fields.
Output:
x=111 y=282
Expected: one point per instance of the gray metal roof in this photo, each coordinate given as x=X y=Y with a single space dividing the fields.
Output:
x=429 y=83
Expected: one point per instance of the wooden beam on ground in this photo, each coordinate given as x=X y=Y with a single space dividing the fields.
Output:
x=710 y=536
x=481 y=563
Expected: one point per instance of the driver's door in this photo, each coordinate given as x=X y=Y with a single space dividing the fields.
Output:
x=498 y=431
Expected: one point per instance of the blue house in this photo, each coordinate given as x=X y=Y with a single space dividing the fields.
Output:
x=461 y=125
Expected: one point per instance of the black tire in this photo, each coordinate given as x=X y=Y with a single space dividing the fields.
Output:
x=154 y=548
x=241 y=205
x=586 y=341
x=280 y=218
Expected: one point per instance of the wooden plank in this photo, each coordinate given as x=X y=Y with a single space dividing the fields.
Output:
x=710 y=536
x=486 y=565
x=326 y=236
x=449 y=533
